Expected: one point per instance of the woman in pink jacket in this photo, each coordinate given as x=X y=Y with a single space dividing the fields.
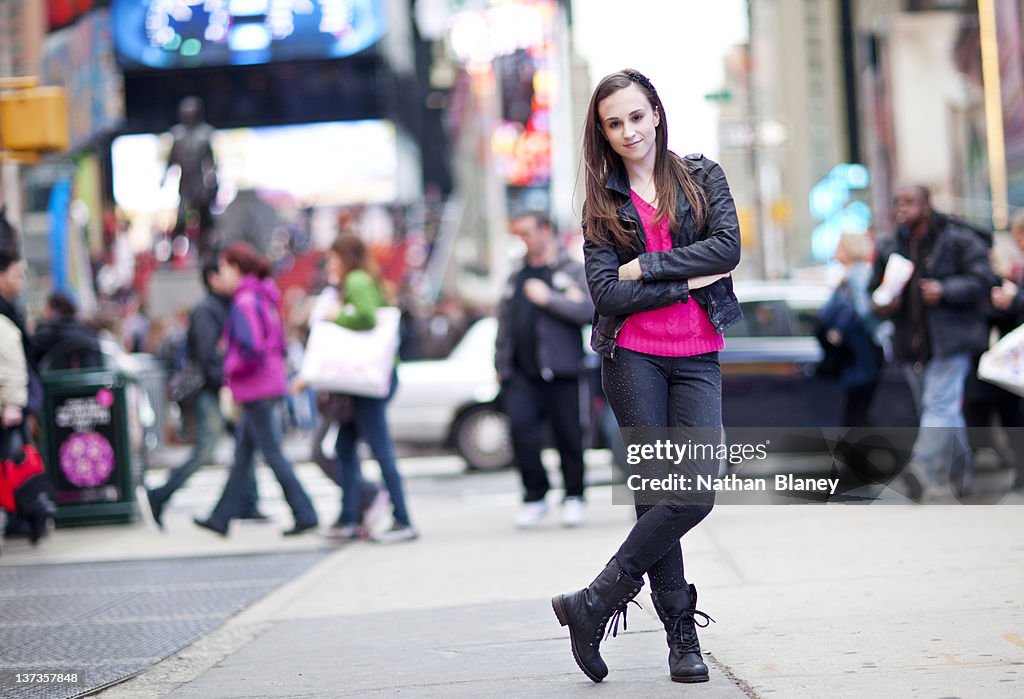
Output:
x=255 y=371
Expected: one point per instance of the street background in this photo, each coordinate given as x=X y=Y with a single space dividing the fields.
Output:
x=889 y=599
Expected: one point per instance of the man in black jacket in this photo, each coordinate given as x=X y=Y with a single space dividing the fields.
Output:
x=62 y=341
x=539 y=352
x=939 y=321
x=202 y=347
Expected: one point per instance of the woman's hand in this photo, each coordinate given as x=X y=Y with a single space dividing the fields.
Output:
x=631 y=272
x=706 y=280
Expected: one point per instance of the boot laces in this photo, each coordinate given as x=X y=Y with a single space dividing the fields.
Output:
x=683 y=629
x=613 y=630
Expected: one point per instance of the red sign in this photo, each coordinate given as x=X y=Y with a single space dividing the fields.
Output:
x=61 y=13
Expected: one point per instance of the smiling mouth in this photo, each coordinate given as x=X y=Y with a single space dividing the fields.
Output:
x=633 y=144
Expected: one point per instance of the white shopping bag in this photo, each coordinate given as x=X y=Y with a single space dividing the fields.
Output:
x=1003 y=363
x=356 y=362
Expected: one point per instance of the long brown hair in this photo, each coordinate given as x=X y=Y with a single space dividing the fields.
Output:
x=601 y=220
x=355 y=255
x=247 y=259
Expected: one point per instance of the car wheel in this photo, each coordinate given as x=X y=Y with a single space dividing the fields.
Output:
x=483 y=438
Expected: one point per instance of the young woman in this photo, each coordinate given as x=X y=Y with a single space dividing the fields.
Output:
x=255 y=372
x=359 y=296
x=660 y=240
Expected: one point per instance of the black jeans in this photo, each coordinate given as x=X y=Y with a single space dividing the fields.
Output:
x=649 y=391
x=528 y=404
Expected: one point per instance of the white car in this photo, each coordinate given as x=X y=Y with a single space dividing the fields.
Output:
x=452 y=401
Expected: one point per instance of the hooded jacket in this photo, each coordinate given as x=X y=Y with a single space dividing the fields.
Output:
x=254 y=339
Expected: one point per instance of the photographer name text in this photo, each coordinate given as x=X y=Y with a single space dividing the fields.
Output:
x=782 y=483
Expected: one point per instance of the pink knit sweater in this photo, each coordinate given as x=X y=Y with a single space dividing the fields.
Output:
x=679 y=330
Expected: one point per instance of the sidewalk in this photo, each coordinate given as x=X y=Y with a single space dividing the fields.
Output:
x=810 y=601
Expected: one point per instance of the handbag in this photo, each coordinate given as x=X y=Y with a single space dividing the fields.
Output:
x=1003 y=363
x=185 y=384
x=356 y=362
x=336 y=408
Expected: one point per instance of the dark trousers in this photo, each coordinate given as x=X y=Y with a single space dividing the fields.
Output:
x=209 y=427
x=367 y=490
x=529 y=404
x=647 y=391
x=260 y=429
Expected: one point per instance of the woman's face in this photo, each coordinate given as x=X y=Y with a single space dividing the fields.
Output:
x=230 y=277
x=629 y=123
x=335 y=268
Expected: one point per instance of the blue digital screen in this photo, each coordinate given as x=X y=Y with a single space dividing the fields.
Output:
x=193 y=33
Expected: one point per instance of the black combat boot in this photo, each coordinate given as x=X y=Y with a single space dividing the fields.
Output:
x=587 y=612
x=678 y=611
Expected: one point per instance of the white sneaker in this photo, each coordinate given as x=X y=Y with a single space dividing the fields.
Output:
x=574 y=512
x=531 y=513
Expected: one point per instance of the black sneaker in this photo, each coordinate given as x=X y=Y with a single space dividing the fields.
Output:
x=210 y=525
x=398 y=532
x=150 y=509
x=255 y=516
x=300 y=529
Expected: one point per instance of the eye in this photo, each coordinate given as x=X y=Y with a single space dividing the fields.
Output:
x=638 y=117
x=613 y=124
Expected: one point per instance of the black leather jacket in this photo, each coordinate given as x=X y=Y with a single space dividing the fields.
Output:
x=713 y=250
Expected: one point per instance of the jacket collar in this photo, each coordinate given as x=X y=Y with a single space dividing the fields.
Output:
x=618 y=181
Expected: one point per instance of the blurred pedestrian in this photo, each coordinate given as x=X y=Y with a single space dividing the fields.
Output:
x=847 y=328
x=21 y=391
x=14 y=372
x=255 y=372
x=359 y=294
x=539 y=357
x=205 y=358
x=661 y=239
x=984 y=401
x=939 y=321
x=61 y=340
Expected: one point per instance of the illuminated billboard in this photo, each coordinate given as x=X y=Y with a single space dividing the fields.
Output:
x=192 y=33
x=290 y=167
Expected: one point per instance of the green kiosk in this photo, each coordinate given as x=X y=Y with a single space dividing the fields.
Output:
x=92 y=444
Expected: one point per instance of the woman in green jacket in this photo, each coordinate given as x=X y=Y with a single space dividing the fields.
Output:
x=350 y=268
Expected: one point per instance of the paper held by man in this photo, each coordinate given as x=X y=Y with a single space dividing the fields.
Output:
x=898 y=271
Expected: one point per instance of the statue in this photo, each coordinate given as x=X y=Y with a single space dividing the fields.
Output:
x=192 y=152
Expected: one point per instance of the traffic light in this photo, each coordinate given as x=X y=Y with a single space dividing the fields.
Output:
x=34 y=119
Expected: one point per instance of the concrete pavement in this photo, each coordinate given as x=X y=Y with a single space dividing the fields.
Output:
x=874 y=600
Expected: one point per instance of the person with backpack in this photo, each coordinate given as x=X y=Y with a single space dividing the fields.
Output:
x=21 y=393
x=206 y=325
x=257 y=376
